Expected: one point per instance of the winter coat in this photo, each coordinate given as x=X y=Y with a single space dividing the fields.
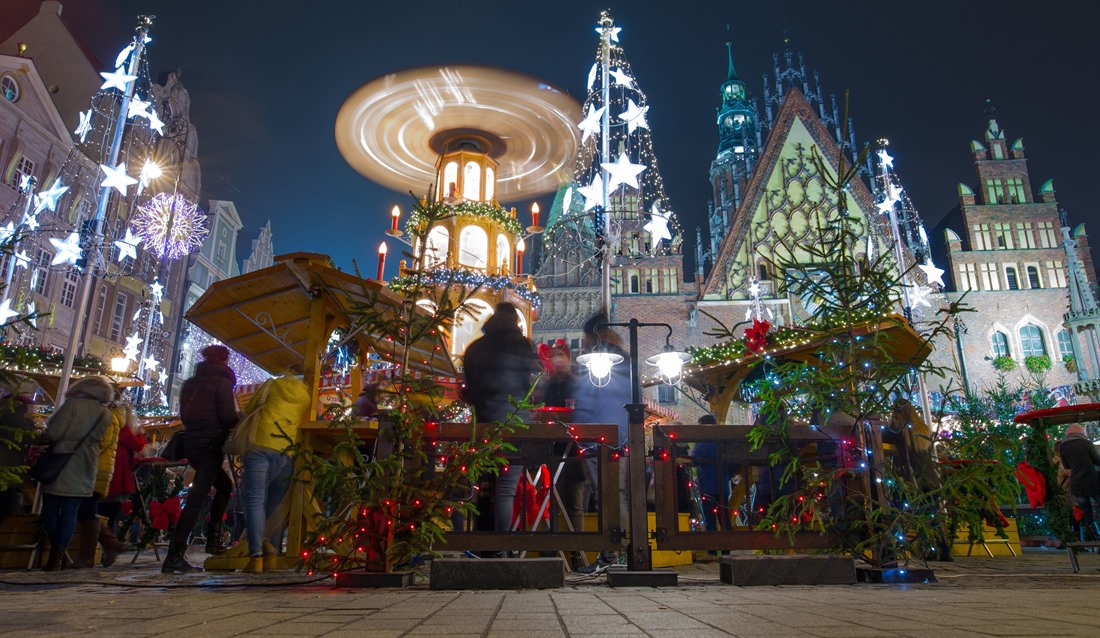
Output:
x=108 y=446
x=130 y=444
x=605 y=404
x=499 y=366
x=1080 y=456
x=83 y=411
x=207 y=407
x=282 y=409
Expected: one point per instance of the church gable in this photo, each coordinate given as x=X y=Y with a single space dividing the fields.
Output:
x=787 y=201
x=24 y=89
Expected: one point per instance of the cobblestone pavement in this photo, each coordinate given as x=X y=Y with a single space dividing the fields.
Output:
x=1034 y=595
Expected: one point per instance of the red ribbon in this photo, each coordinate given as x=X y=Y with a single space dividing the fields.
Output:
x=127 y=508
x=756 y=337
x=163 y=514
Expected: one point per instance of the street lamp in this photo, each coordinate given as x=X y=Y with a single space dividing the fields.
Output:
x=670 y=363
x=121 y=365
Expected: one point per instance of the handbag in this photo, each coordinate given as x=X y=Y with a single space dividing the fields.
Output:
x=243 y=436
x=173 y=449
x=51 y=463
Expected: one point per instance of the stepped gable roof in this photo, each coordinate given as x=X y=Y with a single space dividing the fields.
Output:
x=795 y=107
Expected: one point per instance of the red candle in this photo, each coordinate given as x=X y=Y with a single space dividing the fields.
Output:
x=382 y=250
x=396 y=213
x=535 y=214
x=519 y=256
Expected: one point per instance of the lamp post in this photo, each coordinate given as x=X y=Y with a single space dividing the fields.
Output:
x=670 y=364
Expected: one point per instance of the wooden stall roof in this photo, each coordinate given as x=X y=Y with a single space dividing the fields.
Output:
x=265 y=314
x=1060 y=415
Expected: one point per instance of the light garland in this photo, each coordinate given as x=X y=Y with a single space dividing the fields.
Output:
x=170 y=226
x=444 y=276
x=418 y=218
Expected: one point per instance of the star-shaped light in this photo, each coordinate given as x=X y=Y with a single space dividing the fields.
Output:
x=622 y=78
x=613 y=32
x=85 y=125
x=885 y=159
x=47 y=199
x=590 y=125
x=151 y=363
x=117 y=178
x=932 y=274
x=893 y=196
x=919 y=295
x=593 y=194
x=30 y=311
x=6 y=233
x=155 y=122
x=132 y=349
x=157 y=289
x=127 y=246
x=34 y=278
x=592 y=75
x=622 y=171
x=25 y=183
x=68 y=249
x=30 y=220
x=657 y=227
x=6 y=313
x=124 y=55
x=22 y=259
x=634 y=116
x=754 y=288
x=117 y=80
x=138 y=108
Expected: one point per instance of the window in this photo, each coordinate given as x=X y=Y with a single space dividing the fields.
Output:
x=467 y=327
x=450 y=179
x=968 y=277
x=473 y=247
x=68 y=288
x=9 y=87
x=24 y=167
x=1065 y=345
x=1031 y=341
x=490 y=184
x=999 y=342
x=1003 y=233
x=118 y=316
x=471 y=181
x=1056 y=275
x=1033 y=277
x=504 y=248
x=221 y=252
x=762 y=272
x=634 y=283
x=1047 y=238
x=1024 y=237
x=438 y=241
x=983 y=240
x=666 y=393
x=991 y=279
x=1016 y=192
x=670 y=280
x=42 y=282
x=1010 y=275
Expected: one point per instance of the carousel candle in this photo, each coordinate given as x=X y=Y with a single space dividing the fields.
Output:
x=382 y=250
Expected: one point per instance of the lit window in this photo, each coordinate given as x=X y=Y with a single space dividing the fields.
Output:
x=504 y=248
x=999 y=342
x=68 y=288
x=1031 y=341
x=471 y=181
x=24 y=167
x=42 y=282
x=436 y=255
x=118 y=317
x=490 y=184
x=473 y=247
x=467 y=326
x=450 y=179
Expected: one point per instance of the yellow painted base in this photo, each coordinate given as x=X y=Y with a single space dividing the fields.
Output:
x=660 y=558
x=995 y=545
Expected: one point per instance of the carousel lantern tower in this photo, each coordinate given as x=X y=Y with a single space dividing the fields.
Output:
x=475 y=134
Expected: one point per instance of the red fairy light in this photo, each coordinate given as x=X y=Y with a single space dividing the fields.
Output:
x=449 y=509
x=416 y=503
x=603 y=439
x=322 y=539
x=462 y=469
x=305 y=554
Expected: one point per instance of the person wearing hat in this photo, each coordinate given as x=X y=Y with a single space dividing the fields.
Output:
x=1080 y=457
x=208 y=410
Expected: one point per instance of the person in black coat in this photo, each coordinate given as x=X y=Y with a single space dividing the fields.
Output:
x=208 y=411
x=1080 y=457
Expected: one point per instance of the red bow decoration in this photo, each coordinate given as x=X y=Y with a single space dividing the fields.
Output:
x=164 y=513
x=1035 y=484
x=127 y=508
x=756 y=337
x=530 y=498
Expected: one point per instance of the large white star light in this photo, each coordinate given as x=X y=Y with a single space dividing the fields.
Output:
x=131 y=350
x=138 y=108
x=634 y=116
x=124 y=55
x=6 y=233
x=622 y=78
x=151 y=363
x=127 y=246
x=590 y=125
x=657 y=227
x=25 y=183
x=592 y=75
x=117 y=178
x=919 y=295
x=157 y=289
x=22 y=259
x=593 y=194
x=30 y=220
x=622 y=171
x=886 y=159
x=893 y=196
x=155 y=122
x=932 y=274
x=68 y=249
x=613 y=32
x=32 y=318
x=85 y=125
x=47 y=199
x=116 y=80
x=6 y=313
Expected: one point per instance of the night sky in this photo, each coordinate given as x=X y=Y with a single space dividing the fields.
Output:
x=267 y=78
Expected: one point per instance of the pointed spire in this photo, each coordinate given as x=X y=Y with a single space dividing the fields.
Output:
x=732 y=74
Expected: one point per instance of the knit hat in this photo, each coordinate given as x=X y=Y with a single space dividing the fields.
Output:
x=219 y=354
x=1075 y=429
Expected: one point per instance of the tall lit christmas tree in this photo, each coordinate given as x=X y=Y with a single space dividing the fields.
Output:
x=615 y=211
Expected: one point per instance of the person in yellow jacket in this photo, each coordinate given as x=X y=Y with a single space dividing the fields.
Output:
x=282 y=403
x=92 y=529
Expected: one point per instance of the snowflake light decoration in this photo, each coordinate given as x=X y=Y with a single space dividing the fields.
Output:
x=170 y=226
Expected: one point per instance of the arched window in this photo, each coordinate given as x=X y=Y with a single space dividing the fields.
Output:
x=1065 y=346
x=471 y=181
x=490 y=184
x=633 y=283
x=467 y=326
x=1013 y=282
x=999 y=343
x=473 y=247
x=1033 y=277
x=438 y=243
x=504 y=249
x=450 y=177
x=762 y=272
x=1031 y=341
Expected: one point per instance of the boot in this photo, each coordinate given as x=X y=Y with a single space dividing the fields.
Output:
x=89 y=538
x=111 y=546
x=53 y=563
x=214 y=539
x=175 y=562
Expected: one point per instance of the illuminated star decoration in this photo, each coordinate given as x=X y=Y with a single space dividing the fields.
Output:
x=68 y=249
x=657 y=227
x=138 y=108
x=31 y=318
x=634 y=116
x=893 y=196
x=151 y=363
x=22 y=259
x=6 y=313
x=622 y=78
x=593 y=193
x=116 y=80
x=6 y=233
x=919 y=295
x=117 y=178
x=131 y=350
x=127 y=246
x=622 y=171
x=85 y=125
x=188 y=226
x=30 y=220
x=157 y=289
x=590 y=125
x=25 y=183
x=592 y=75
x=931 y=273
x=155 y=122
x=47 y=200
x=886 y=159
x=613 y=32
x=123 y=55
